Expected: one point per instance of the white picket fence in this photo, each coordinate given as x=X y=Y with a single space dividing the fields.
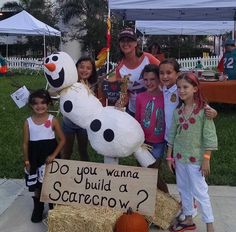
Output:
x=190 y=63
x=25 y=63
x=37 y=64
x=207 y=62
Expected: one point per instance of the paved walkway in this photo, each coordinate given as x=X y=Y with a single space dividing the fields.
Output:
x=16 y=208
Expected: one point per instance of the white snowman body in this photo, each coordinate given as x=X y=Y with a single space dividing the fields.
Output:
x=112 y=133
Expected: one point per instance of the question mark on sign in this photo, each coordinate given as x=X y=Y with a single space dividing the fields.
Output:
x=146 y=197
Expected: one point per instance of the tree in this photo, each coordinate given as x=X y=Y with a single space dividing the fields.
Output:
x=180 y=46
x=86 y=20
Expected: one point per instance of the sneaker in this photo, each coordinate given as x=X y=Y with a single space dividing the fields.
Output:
x=181 y=217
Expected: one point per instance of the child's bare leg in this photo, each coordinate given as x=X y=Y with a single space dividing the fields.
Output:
x=209 y=227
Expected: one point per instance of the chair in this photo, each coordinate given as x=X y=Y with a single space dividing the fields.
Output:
x=55 y=107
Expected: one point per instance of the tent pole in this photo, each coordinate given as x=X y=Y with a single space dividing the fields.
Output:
x=44 y=46
x=108 y=52
x=7 y=48
x=143 y=41
x=234 y=31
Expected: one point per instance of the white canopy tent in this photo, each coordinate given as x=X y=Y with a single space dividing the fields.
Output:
x=184 y=27
x=172 y=10
x=194 y=10
x=24 y=23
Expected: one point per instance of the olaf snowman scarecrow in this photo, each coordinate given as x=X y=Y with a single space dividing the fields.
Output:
x=111 y=132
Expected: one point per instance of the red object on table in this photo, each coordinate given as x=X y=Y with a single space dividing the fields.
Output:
x=219 y=91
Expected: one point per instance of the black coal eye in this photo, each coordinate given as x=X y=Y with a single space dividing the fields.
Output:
x=68 y=106
x=108 y=135
x=55 y=58
x=47 y=60
x=95 y=125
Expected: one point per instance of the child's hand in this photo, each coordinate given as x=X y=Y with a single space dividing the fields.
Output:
x=171 y=165
x=27 y=167
x=205 y=167
x=50 y=159
x=210 y=112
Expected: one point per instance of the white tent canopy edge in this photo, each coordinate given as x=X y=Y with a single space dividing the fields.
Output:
x=24 y=23
x=195 y=10
x=184 y=27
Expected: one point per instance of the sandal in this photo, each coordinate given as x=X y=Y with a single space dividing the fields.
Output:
x=180 y=227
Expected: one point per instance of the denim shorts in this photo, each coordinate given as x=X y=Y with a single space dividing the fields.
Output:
x=130 y=112
x=158 y=149
x=68 y=127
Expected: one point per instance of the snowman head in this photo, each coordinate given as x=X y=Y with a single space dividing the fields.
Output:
x=60 y=71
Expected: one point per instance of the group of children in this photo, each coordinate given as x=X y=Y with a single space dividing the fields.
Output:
x=172 y=113
x=176 y=113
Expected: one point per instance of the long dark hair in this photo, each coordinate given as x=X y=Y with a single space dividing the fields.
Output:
x=42 y=94
x=193 y=80
x=94 y=76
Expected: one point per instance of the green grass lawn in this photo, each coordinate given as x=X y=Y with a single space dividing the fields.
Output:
x=223 y=163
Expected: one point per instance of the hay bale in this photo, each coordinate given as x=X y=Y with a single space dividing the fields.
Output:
x=83 y=218
x=165 y=210
x=87 y=218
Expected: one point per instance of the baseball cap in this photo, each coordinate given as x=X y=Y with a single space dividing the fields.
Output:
x=229 y=42
x=128 y=32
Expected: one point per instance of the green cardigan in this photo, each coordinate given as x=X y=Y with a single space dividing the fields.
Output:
x=191 y=135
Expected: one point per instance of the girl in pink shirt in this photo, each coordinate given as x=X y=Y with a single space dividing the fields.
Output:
x=150 y=115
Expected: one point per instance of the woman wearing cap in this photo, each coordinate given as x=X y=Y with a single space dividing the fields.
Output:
x=131 y=64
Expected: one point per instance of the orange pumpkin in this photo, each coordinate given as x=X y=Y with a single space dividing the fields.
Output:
x=131 y=222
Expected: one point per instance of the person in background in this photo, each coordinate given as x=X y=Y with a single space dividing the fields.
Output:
x=191 y=140
x=131 y=65
x=150 y=114
x=155 y=50
x=199 y=65
x=40 y=146
x=227 y=64
x=86 y=73
x=3 y=65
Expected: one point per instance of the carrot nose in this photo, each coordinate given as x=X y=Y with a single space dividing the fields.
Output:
x=50 y=66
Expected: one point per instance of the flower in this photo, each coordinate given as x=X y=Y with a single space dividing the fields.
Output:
x=181 y=120
x=196 y=110
x=192 y=120
x=180 y=112
x=47 y=124
x=185 y=126
x=192 y=159
x=178 y=156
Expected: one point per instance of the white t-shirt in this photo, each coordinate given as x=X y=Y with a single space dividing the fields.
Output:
x=171 y=101
x=136 y=84
x=41 y=132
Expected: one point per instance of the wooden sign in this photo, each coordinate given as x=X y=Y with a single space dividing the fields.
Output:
x=111 y=90
x=71 y=182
